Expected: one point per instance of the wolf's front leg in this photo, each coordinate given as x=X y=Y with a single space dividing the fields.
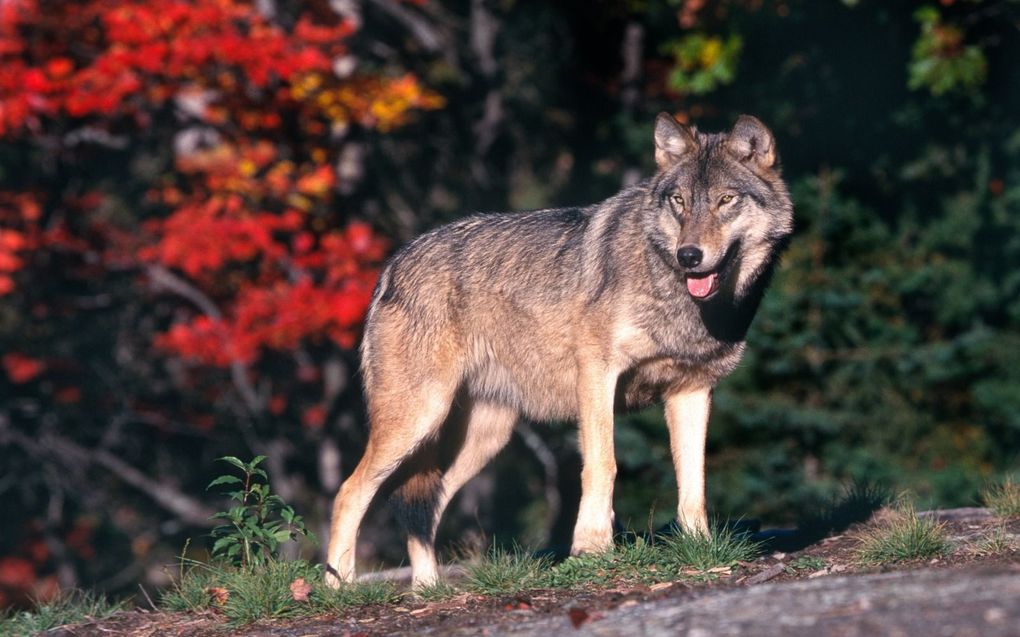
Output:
x=687 y=419
x=593 y=532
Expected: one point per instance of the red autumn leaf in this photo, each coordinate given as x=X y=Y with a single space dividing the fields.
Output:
x=314 y=417
x=299 y=590
x=60 y=67
x=17 y=573
x=21 y=368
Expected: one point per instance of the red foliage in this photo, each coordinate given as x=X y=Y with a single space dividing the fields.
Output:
x=26 y=576
x=21 y=368
x=244 y=215
x=19 y=216
x=246 y=218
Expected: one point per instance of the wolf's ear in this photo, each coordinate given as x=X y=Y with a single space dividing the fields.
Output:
x=673 y=140
x=750 y=141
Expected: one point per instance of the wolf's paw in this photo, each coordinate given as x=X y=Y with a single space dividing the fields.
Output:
x=693 y=521
x=592 y=541
x=334 y=579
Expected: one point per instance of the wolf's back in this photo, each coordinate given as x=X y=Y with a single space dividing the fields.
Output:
x=494 y=296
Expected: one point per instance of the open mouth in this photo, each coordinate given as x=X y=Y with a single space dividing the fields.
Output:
x=702 y=285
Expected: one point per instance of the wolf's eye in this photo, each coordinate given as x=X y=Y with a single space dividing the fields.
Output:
x=679 y=201
x=725 y=199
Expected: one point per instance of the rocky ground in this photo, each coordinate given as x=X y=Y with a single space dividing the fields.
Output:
x=818 y=590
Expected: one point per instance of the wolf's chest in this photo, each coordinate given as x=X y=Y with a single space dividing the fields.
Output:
x=648 y=381
x=662 y=357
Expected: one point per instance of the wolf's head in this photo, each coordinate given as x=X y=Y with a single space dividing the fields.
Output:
x=719 y=209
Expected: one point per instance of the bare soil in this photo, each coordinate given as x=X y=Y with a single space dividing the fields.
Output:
x=819 y=590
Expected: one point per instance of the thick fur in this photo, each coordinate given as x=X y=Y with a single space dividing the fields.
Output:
x=565 y=314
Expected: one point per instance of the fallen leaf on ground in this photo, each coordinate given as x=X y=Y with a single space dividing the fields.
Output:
x=578 y=616
x=299 y=590
x=712 y=571
x=660 y=586
x=517 y=604
x=219 y=595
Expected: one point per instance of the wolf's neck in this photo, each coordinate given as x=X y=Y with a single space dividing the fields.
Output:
x=728 y=315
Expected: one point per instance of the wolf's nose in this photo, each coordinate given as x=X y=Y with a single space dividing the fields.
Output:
x=689 y=256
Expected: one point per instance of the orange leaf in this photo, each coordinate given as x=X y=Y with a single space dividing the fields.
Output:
x=219 y=595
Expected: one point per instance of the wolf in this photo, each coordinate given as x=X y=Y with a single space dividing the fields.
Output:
x=566 y=314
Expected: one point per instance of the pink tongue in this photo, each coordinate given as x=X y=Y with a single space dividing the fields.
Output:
x=700 y=287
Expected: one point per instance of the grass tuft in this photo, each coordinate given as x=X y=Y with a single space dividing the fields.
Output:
x=721 y=549
x=263 y=592
x=995 y=541
x=902 y=537
x=191 y=590
x=639 y=561
x=68 y=608
x=1003 y=498
x=348 y=596
x=438 y=592
x=506 y=571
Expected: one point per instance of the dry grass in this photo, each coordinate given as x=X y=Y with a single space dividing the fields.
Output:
x=899 y=535
x=1003 y=498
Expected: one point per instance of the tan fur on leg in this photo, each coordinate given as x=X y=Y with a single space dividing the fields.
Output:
x=593 y=532
x=489 y=428
x=394 y=436
x=687 y=419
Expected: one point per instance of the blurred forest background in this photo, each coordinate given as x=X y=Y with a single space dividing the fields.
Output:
x=196 y=197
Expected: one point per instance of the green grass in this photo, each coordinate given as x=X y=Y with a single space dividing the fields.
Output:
x=68 y=608
x=1003 y=498
x=438 y=592
x=664 y=558
x=639 y=562
x=995 y=541
x=806 y=563
x=505 y=571
x=191 y=588
x=325 y=599
x=721 y=549
x=902 y=537
x=245 y=594
x=248 y=594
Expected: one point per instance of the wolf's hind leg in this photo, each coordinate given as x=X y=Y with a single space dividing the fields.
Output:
x=400 y=424
x=477 y=436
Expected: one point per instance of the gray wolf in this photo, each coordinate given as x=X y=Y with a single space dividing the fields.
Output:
x=566 y=314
